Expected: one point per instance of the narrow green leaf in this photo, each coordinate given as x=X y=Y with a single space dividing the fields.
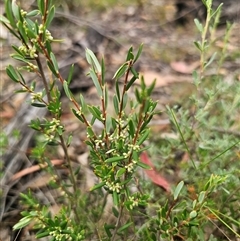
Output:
x=33 y=85
x=143 y=137
x=22 y=223
x=121 y=71
x=41 y=5
x=143 y=84
x=105 y=96
x=131 y=128
x=130 y=82
x=33 y=13
x=151 y=87
x=78 y=116
x=107 y=228
x=42 y=234
x=31 y=25
x=114 y=123
x=31 y=34
x=27 y=197
x=69 y=140
x=22 y=30
x=20 y=91
x=134 y=72
x=108 y=124
x=19 y=58
x=11 y=72
x=51 y=67
x=115 y=198
x=116 y=104
x=220 y=154
x=97 y=186
x=92 y=60
x=198 y=45
x=50 y=16
x=178 y=190
x=117 y=90
x=96 y=82
x=39 y=105
x=181 y=134
x=16 y=10
x=114 y=159
x=90 y=131
x=23 y=80
x=4 y=20
x=93 y=120
x=115 y=212
x=9 y=14
x=48 y=46
x=138 y=96
x=120 y=172
x=146 y=122
x=69 y=78
x=198 y=25
x=17 y=50
x=125 y=226
x=125 y=99
x=135 y=155
x=210 y=60
x=66 y=89
x=54 y=61
x=217 y=10
x=95 y=112
x=83 y=104
x=196 y=78
x=143 y=165
x=138 y=53
x=130 y=55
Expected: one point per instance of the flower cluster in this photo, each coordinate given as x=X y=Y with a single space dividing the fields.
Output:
x=130 y=166
x=48 y=35
x=36 y=96
x=54 y=126
x=133 y=202
x=30 y=51
x=59 y=235
x=114 y=186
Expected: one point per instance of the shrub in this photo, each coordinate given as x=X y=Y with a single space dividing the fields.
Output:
x=207 y=198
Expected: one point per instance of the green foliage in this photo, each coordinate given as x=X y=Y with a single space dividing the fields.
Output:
x=207 y=193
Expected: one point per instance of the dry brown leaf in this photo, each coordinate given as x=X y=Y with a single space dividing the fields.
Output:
x=153 y=174
x=184 y=67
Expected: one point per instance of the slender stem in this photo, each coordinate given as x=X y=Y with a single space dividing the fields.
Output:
x=43 y=78
x=45 y=11
x=204 y=34
x=117 y=223
x=72 y=177
x=170 y=209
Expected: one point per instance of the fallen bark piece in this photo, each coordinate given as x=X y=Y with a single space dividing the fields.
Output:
x=35 y=168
